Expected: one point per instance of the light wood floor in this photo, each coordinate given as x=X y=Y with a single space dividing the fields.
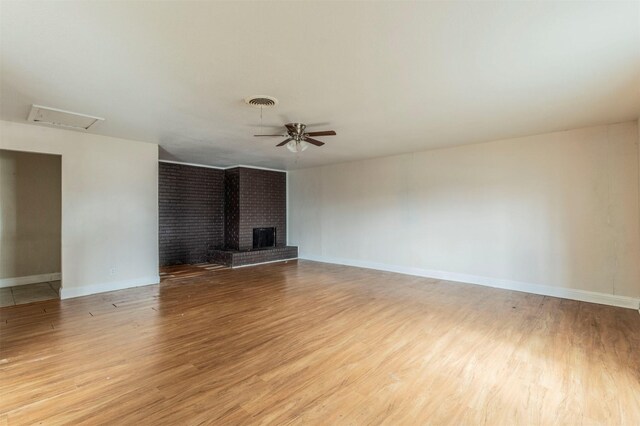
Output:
x=311 y=343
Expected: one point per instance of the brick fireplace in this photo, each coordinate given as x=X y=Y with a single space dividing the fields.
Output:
x=216 y=215
x=255 y=202
x=254 y=199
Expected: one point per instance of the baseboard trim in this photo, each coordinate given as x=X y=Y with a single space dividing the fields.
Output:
x=544 y=290
x=30 y=279
x=69 y=293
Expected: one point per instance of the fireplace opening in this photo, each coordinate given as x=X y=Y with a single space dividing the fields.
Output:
x=264 y=237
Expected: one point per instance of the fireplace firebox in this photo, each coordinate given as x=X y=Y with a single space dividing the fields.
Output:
x=264 y=237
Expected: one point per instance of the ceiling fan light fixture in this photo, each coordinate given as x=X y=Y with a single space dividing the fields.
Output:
x=297 y=146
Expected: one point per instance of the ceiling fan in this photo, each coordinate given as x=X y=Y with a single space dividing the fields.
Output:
x=297 y=140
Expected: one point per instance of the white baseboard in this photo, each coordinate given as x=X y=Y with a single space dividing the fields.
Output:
x=545 y=290
x=68 y=293
x=31 y=279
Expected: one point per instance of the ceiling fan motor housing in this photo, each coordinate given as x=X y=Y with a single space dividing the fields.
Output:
x=296 y=130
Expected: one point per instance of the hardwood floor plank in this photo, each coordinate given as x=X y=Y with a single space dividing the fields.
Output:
x=301 y=342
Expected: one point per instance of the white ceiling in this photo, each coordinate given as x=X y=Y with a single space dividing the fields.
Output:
x=388 y=77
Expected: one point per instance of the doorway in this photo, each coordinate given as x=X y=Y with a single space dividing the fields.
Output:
x=30 y=227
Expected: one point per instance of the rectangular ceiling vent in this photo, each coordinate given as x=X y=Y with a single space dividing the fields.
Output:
x=57 y=117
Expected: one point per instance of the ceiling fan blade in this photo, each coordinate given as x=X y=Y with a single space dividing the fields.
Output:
x=280 y=136
x=323 y=133
x=313 y=141
x=284 y=142
x=323 y=124
x=290 y=127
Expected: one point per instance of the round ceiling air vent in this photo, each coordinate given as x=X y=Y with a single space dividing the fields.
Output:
x=261 y=101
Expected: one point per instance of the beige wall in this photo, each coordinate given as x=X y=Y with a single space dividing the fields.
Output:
x=540 y=213
x=30 y=207
x=109 y=206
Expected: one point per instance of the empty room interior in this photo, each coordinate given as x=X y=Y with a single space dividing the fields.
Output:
x=320 y=212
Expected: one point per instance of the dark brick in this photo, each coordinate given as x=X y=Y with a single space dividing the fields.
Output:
x=206 y=213
x=240 y=258
x=262 y=203
x=191 y=213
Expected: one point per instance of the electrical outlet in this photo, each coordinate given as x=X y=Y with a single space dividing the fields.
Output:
x=112 y=271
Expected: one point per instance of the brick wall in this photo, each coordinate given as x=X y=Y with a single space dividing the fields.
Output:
x=191 y=212
x=231 y=208
x=262 y=204
x=203 y=209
